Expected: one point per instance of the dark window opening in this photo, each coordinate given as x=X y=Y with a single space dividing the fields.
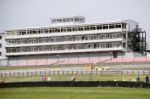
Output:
x=95 y=45
x=93 y=28
x=124 y=45
x=75 y=29
x=86 y=28
x=80 y=28
x=99 y=27
x=124 y=25
x=105 y=27
x=83 y=37
x=118 y=25
x=114 y=54
x=111 y=26
x=124 y=36
x=46 y=31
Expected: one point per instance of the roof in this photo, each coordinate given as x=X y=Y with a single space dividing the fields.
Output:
x=71 y=25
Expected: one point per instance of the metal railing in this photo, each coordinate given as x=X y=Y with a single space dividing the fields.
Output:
x=79 y=75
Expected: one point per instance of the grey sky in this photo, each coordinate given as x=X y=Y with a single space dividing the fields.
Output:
x=26 y=13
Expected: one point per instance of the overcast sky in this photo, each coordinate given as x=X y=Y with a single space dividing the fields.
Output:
x=32 y=13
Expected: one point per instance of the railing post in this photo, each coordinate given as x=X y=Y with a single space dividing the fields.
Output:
x=58 y=72
x=71 y=72
x=1 y=74
x=9 y=74
x=62 y=72
x=81 y=72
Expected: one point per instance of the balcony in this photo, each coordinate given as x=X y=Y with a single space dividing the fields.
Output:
x=66 y=42
x=65 y=33
x=67 y=51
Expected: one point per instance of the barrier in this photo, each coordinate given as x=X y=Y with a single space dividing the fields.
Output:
x=76 y=84
x=71 y=60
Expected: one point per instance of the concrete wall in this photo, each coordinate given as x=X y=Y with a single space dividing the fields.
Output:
x=82 y=58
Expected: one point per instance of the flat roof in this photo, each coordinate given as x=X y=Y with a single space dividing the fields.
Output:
x=72 y=25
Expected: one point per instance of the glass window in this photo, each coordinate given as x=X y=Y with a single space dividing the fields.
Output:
x=93 y=27
x=124 y=25
x=80 y=28
x=118 y=25
x=111 y=26
x=99 y=27
x=105 y=26
x=86 y=28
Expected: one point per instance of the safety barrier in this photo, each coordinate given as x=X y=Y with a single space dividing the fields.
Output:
x=76 y=84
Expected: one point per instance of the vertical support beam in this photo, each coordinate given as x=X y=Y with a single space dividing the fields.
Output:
x=142 y=43
x=145 y=41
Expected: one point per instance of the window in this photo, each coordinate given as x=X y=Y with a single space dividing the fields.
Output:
x=23 y=32
x=46 y=30
x=0 y=53
x=108 y=35
x=99 y=27
x=57 y=30
x=124 y=45
x=124 y=36
x=80 y=28
x=75 y=29
x=115 y=55
x=124 y=25
x=69 y=29
x=51 y=30
x=86 y=28
x=111 y=26
x=0 y=45
x=53 y=20
x=76 y=20
x=105 y=26
x=92 y=27
x=118 y=25
x=0 y=37
x=59 y=20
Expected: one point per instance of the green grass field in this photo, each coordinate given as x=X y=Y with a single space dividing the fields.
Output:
x=75 y=93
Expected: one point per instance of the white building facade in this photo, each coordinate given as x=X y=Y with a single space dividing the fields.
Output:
x=69 y=40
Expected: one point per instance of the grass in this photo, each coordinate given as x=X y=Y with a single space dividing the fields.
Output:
x=73 y=65
x=74 y=93
x=36 y=67
x=22 y=67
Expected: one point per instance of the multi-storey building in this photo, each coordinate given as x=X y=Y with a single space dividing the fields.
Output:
x=69 y=40
x=2 y=46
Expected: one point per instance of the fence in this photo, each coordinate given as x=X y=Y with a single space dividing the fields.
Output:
x=76 y=84
x=82 y=75
x=77 y=60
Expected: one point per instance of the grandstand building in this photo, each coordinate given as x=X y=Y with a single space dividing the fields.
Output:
x=2 y=46
x=69 y=40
